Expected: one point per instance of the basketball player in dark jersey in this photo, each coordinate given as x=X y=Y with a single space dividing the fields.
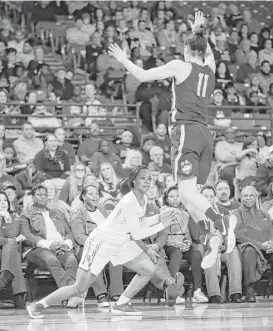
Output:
x=192 y=143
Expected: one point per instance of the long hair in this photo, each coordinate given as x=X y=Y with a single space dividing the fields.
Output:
x=73 y=187
x=114 y=177
x=166 y=194
x=9 y=204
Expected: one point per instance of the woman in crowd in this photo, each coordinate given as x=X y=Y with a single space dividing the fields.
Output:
x=74 y=183
x=133 y=159
x=222 y=75
x=54 y=202
x=52 y=161
x=10 y=238
x=179 y=244
x=105 y=155
x=108 y=180
x=125 y=145
x=83 y=221
x=266 y=53
x=244 y=32
x=30 y=176
x=2 y=135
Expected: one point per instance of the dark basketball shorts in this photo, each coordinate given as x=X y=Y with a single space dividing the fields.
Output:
x=192 y=151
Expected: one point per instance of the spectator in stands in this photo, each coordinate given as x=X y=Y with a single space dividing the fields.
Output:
x=254 y=233
x=125 y=144
x=133 y=159
x=13 y=166
x=222 y=75
x=3 y=47
x=92 y=105
x=77 y=35
x=254 y=42
x=108 y=180
x=66 y=146
x=263 y=36
x=264 y=175
x=168 y=36
x=18 y=41
x=61 y=86
x=40 y=120
x=235 y=16
x=104 y=154
x=246 y=69
x=221 y=52
x=148 y=142
x=223 y=196
x=225 y=154
x=11 y=61
x=49 y=239
x=179 y=245
x=10 y=191
x=30 y=177
x=270 y=95
x=132 y=84
x=233 y=42
x=54 y=202
x=27 y=145
x=268 y=204
x=6 y=32
x=35 y=65
x=83 y=221
x=52 y=160
x=93 y=50
x=146 y=38
x=157 y=157
x=265 y=77
x=10 y=237
x=31 y=100
x=43 y=12
x=88 y=147
x=243 y=32
x=87 y=26
x=74 y=183
x=163 y=140
x=232 y=97
x=266 y=53
x=232 y=260
x=28 y=54
x=252 y=23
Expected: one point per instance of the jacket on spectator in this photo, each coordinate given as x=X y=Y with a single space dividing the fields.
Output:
x=27 y=182
x=98 y=158
x=32 y=226
x=27 y=148
x=9 y=229
x=254 y=228
x=264 y=176
x=225 y=152
x=70 y=151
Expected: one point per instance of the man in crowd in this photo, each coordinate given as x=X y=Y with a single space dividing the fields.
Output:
x=223 y=196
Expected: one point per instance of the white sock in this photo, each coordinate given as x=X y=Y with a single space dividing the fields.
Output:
x=122 y=300
x=42 y=302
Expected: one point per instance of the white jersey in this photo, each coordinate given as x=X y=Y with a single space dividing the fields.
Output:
x=126 y=219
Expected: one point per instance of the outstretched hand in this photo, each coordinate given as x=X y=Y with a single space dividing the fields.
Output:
x=119 y=54
x=168 y=216
x=199 y=20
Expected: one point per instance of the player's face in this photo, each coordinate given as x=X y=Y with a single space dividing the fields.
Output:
x=173 y=198
x=143 y=181
x=209 y=194
x=92 y=197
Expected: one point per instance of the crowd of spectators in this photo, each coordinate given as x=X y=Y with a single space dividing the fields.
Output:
x=50 y=190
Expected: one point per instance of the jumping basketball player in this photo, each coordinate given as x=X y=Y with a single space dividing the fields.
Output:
x=192 y=143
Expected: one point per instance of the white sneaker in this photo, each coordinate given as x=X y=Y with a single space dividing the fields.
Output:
x=199 y=297
x=180 y=301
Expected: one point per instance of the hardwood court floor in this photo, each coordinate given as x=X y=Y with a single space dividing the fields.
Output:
x=226 y=317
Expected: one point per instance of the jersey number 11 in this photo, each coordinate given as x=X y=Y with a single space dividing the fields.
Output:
x=202 y=85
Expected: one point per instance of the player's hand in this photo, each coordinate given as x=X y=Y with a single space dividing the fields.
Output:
x=168 y=216
x=153 y=255
x=119 y=54
x=199 y=20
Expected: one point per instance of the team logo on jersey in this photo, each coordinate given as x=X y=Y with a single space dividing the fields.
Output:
x=186 y=167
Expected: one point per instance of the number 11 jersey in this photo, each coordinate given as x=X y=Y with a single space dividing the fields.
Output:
x=191 y=98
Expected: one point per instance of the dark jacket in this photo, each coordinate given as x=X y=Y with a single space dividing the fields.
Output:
x=9 y=230
x=264 y=176
x=28 y=184
x=32 y=226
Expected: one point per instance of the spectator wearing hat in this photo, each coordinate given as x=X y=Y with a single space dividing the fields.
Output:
x=52 y=160
x=27 y=145
x=10 y=191
x=10 y=238
x=264 y=174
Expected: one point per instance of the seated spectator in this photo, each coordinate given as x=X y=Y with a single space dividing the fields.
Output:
x=232 y=96
x=2 y=135
x=18 y=41
x=87 y=26
x=104 y=154
x=27 y=145
x=247 y=69
x=235 y=16
x=74 y=183
x=157 y=157
x=221 y=52
x=61 y=86
x=232 y=261
x=66 y=146
x=40 y=120
x=223 y=196
x=93 y=50
x=10 y=191
x=133 y=159
x=83 y=221
x=270 y=95
x=254 y=233
x=256 y=88
x=146 y=38
x=255 y=100
x=252 y=23
x=108 y=181
x=148 y=142
x=233 y=43
x=77 y=35
x=10 y=238
x=243 y=32
x=13 y=166
x=54 y=203
x=179 y=245
x=132 y=84
x=264 y=175
x=225 y=154
x=268 y=204
x=28 y=54
x=89 y=146
x=35 y=65
x=254 y=42
x=217 y=116
x=222 y=75
x=49 y=241
x=11 y=61
x=266 y=53
x=265 y=77
x=31 y=100
x=168 y=36
x=52 y=160
x=30 y=177
x=124 y=145
x=163 y=140
x=92 y=105
x=6 y=32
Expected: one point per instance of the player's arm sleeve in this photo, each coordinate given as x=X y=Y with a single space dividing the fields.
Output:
x=137 y=231
x=150 y=221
